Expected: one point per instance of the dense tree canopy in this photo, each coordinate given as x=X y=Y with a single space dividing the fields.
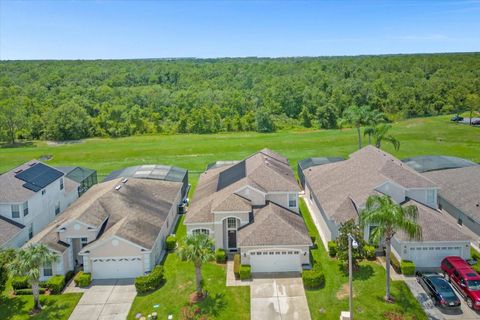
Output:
x=127 y=97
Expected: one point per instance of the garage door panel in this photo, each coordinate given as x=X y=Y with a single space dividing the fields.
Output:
x=116 y=268
x=431 y=257
x=275 y=261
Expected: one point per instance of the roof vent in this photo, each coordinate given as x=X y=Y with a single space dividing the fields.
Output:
x=118 y=187
x=124 y=180
x=18 y=171
x=31 y=164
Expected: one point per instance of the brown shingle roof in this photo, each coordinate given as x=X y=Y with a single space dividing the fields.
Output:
x=274 y=225
x=8 y=229
x=460 y=187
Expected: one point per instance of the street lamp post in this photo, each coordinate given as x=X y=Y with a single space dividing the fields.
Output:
x=351 y=243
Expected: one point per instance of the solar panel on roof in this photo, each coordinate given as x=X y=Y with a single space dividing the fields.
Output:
x=38 y=176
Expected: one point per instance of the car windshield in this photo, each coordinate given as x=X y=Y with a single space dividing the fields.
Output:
x=473 y=284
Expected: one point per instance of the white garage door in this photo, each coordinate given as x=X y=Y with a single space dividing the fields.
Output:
x=117 y=268
x=431 y=257
x=275 y=261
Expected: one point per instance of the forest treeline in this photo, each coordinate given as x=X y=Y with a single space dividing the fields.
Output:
x=64 y=100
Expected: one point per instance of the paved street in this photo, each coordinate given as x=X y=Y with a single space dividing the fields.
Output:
x=105 y=300
x=278 y=299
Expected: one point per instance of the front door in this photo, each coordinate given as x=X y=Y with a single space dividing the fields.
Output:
x=232 y=239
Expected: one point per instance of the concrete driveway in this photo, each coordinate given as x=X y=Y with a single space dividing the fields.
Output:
x=434 y=313
x=278 y=298
x=105 y=300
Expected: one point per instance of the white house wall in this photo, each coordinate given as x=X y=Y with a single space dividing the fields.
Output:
x=76 y=229
x=255 y=196
x=282 y=199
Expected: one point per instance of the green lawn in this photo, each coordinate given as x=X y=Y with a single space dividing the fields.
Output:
x=55 y=306
x=368 y=287
x=222 y=303
x=423 y=136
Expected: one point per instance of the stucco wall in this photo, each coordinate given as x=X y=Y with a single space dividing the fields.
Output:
x=256 y=197
x=75 y=229
x=467 y=221
x=282 y=199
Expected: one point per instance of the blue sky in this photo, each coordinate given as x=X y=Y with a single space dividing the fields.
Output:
x=157 y=29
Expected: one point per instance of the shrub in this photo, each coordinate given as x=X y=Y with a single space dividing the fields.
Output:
x=476 y=267
x=26 y=292
x=82 y=279
x=20 y=283
x=69 y=276
x=236 y=265
x=313 y=239
x=313 y=279
x=151 y=281
x=55 y=284
x=395 y=263
x=408 y=267
x=220 y=256
x=245 y=272
x=369 y=252
x=171 y=242
x=474 y=254
x=332 y=248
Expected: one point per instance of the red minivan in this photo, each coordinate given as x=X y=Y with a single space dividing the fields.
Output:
x=459 y=273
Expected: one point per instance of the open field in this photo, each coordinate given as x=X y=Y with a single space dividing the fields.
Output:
x=421 y=136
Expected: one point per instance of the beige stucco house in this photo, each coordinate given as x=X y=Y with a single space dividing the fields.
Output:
x=251 y=207
x=117 y=229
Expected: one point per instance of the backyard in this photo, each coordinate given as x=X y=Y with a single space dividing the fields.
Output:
x=368 y=288
x=222 y=302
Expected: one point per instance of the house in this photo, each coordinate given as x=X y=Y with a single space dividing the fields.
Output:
x=117 y=229
x=251 y=207
x=31 y=196
x=337 y=192
x=84 y=176
x=311 y=162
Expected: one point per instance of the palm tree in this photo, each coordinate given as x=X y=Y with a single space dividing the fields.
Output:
x=27 y=262
x=198 y=248
x=389 y=218
x=373 y=118
x=357 y=117
x=380 y=134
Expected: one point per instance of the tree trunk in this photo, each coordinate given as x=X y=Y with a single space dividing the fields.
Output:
x=359 y=138
x=378 y=143
x=471 y=114
x=198 y=275
x=369 y=139
x=36 y=296
x=387 y=260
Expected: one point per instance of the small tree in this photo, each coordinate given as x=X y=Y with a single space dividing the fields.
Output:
x=12 y=118
x=380 y=134
x=28 y=262
x=264 y=121
x=306 y=117
x=350 y=227
x=357 y=117
x=5 y=257
x=389 y=218
x=197 y=248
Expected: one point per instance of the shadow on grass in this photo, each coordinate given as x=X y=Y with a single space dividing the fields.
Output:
x=18 y=144
x=362 y=273
x=214 y=304
x=11 y=307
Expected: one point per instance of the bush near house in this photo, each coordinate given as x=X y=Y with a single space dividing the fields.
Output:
x=55 y=284
x=150 y=282
x=332 y=249
x=19 y=283
x=171 y=242
x=369 y=252
x=69 y=276
x=475 y=255
x=408 y=267
x=245 y=272
x=220 y=256
x=395 y=263
x=313 y=279
x=236 y=265
x=82 y=279
x=27 y=292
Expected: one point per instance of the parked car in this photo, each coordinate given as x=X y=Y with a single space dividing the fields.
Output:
x=461 y=275
x=439 y=290
x=457 y=118
x=476 y=122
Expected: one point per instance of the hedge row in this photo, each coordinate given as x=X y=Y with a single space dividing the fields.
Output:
x=314 y=278
x=245 y=272
x=332 y=248
x=369 y=252
x=82 y=279
x=55 y=284
x=19 y=283
x=171 y=242
x=26 y=292
x=407 y=267
x=220 y=255
x=151 y=281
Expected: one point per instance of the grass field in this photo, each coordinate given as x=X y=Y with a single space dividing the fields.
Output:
x=421 y=136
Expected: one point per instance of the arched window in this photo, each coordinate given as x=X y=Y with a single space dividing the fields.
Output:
x=201 y=231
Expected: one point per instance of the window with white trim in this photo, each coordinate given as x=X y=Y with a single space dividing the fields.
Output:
x=201 y=231
x=15 y=211
x=25 y=208
x=47 y=270
x=232 y=223
x=292 y=200
x=84 y=241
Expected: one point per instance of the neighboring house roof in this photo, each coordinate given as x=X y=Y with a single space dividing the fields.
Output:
x=8 y=229
x=274 y=225
x=336 y=185
x=311 y=162
x=265 y=171
x=431 y=163
x=435 y=226
x=218 y=164
x=22 y=182
x=460 y=187
x=150 y=171
x=136 y=211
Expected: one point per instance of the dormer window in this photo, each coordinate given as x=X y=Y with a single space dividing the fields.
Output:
x=292 y=200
